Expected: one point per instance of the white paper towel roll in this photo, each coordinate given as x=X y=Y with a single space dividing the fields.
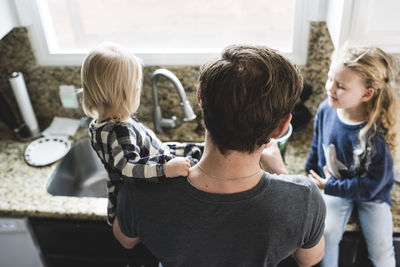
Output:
x=21 y=94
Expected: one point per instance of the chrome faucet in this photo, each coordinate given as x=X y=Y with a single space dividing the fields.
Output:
x=187 y=111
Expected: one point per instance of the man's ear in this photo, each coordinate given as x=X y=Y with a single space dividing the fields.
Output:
x=368 y=94
x=282 y=127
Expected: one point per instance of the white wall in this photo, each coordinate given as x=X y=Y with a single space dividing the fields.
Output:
x=8 y=17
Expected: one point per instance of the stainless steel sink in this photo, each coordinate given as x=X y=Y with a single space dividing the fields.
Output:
x=80 y=173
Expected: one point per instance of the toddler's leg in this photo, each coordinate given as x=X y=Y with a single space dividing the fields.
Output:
x=338 y=211
x=377 y=227
x=193 y=151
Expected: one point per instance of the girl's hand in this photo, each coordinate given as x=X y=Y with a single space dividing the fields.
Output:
x=320 y=182
x=178 y=166
x=271 y=159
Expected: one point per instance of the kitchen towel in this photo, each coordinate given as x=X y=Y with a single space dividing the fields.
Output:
x=63 y=127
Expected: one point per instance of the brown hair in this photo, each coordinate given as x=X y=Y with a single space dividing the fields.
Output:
x=245 y=94
x=377 y=70
x=112 y=80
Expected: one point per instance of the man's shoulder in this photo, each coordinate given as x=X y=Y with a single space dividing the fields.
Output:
x=162 y=185
x=300 y=191
x=298 y=186
x=293 y=180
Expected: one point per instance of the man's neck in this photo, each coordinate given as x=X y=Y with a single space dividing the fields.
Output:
x=224 y=174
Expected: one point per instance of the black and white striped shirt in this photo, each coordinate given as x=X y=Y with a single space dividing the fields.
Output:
x=129 y=150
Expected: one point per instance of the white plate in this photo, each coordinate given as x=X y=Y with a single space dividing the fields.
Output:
x=46 y=150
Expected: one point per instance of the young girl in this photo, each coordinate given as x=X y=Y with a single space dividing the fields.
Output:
x=112 y=79
x=356 y=137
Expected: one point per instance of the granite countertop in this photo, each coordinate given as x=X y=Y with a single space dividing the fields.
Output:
x=23 y=187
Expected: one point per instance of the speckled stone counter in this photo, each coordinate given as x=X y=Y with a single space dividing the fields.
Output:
x=23 y=188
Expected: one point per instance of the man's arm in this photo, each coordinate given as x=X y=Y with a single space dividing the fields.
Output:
x=271 y=159
x=312 y=250
x=310 y=256
x=126 y=242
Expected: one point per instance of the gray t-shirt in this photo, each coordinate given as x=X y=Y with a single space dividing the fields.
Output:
x=184 y=226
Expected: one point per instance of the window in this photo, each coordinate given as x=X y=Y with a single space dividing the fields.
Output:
x=173 y=32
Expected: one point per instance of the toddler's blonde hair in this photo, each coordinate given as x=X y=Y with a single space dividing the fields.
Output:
x=377 y=70
x=112 y=80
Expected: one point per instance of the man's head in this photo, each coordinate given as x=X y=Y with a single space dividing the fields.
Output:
x=245 y=94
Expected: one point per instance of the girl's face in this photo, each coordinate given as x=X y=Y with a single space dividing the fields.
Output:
x=345 y=89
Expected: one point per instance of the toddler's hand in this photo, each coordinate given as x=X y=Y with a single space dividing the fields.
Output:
x=177 y=167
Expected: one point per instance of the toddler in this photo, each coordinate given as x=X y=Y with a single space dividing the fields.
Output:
x=112 y=80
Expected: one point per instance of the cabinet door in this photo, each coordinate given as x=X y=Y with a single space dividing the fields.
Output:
x=377 y=22
x=8 y=17
x=17 y=248
x=85 y=243
x=365 y=22
x=100 y=261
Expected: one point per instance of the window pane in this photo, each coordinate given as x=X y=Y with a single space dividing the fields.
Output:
x=173 y=25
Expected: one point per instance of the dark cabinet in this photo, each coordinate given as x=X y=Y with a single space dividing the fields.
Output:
x=85 y=243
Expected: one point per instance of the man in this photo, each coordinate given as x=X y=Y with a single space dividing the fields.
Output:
x=228 y=212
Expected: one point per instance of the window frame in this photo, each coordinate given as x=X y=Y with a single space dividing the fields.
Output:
x=30 y=16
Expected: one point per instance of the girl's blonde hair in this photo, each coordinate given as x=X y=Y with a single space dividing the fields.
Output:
x=112 y=80
x=377 y=70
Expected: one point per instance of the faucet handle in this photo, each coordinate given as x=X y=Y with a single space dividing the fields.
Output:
x=177 y=121
x=169 y=123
